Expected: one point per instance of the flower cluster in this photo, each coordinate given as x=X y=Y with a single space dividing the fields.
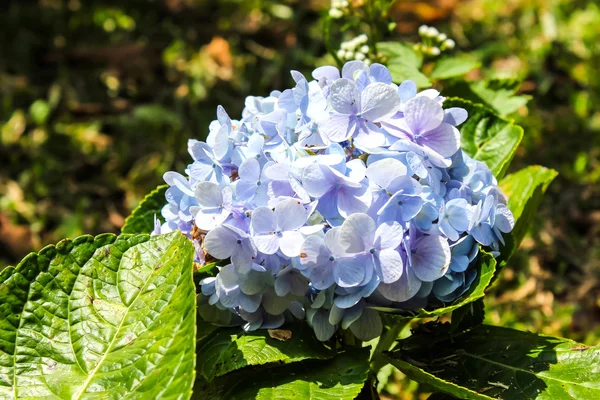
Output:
x=355 y=49
x=338 y=8
x=340 y=195
x=433 y=43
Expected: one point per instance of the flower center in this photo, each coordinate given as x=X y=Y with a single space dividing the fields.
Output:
x=331 y=258
x=239 y=241
x=258 y=183
x=372 y=251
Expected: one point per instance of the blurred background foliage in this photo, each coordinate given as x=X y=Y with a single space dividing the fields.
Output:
x=98 y=99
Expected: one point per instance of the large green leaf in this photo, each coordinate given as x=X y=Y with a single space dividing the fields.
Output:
x=498 y=94
x=402 y=70
x=486 y=266
x=453 y=66
x=487 y=137
x=340 y=378
x=104 y=317
x=398 y=50
x=229 y=349
x=141 y=219
x=493 y=362
x=525 y=190
x=403 y=62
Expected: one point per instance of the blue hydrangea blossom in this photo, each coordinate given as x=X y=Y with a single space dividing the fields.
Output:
x=333 y=198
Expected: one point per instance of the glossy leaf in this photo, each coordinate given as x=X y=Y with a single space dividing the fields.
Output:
x=493 y=362
x=487 y=137
x=229 y=349
x=525 y=190
x=340 y=378
x=498 y=94
x=104 y=317
x=141 y=219
x=454 y=66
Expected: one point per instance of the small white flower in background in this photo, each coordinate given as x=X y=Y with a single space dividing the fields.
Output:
x=338 y=8
x=354 y=49
x=433 y=43
x=448 y=44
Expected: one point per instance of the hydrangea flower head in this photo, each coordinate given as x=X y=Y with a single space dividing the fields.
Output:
x=334 y=197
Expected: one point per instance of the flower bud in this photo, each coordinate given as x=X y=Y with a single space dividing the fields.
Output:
x=432 y=32
x=449 y=44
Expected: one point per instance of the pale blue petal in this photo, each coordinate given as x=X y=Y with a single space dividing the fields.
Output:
x=323 y=329
x=249 y=171
x=219 y=242
x=455 y=116
x=422 y=114
x=348 y=272
x=407 y=90
x=368 y=326
x=350 y=68
x=267 y=244
x=390 y=266
x=290 y=215
x=263 y=220
x=344 y=97
x=290 y=243
x=317 y=179
x=388 y=235
x=430 y=257
x=357 y=233
x=380 y=73
x=379 y=101
x=337 y=127
x=403 y=289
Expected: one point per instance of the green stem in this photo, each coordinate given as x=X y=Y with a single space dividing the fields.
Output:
x=386 y=341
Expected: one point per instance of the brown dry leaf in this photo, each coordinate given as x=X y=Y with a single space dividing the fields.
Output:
x=282 y=335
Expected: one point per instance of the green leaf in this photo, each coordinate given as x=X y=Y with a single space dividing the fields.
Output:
x=498 y=94
x=141 y=219
x=488 y=137
x=452 y=67
x=525 y=190
x=340 y=378
x=104 y=317
x=486 y=267
x=402 y=70
x=397 y=50
x=229 y=349
x=468 y=316
x=493 y=362
x=403 y=62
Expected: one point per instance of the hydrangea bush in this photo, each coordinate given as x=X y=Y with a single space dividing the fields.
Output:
x=341 y=195
x=299 y=252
